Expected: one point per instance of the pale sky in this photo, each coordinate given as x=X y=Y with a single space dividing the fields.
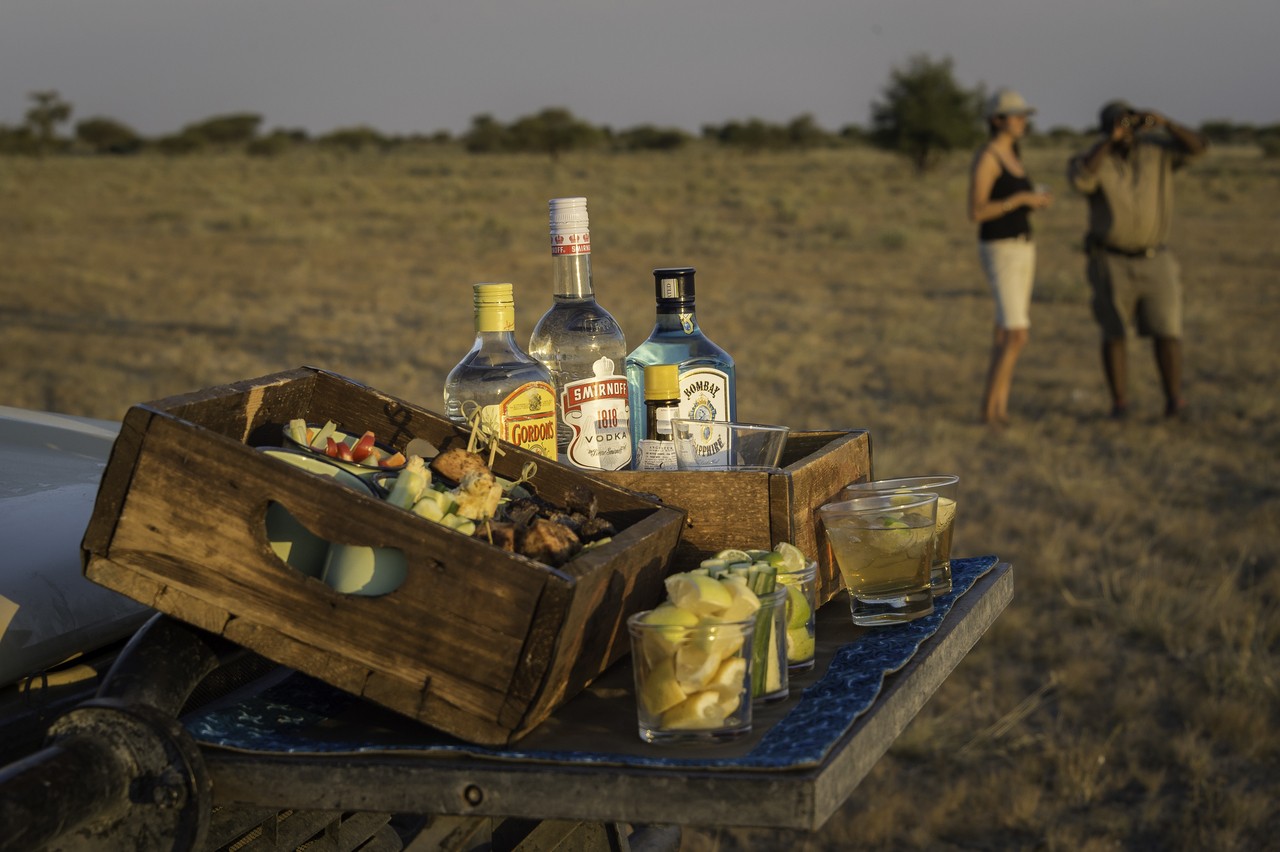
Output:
x=410 y=66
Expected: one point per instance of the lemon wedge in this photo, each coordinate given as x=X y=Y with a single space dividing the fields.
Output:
x=698 y=593
x=673 y=623
x=730 y=680
x=702 y=710
x=695 y=666
x=722 y=640
x=661 y=691
x=744 y=602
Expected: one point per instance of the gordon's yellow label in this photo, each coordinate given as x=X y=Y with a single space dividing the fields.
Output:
x=528 y=418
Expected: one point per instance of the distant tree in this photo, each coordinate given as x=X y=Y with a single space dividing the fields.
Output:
x=225 y=130
x=16 y=140
x=485 y=136
x=804 y=132
x=1269 y=140
x=108 y=136
x=646 y=137
x=277 y=142
x=553 y=131
x=925 y=113
x=758 y=135
x=1222 y=132
x=855 y=134
x=354 y=139
x=1062 y=133
x=48 y=109
x=751 y=135
x=177 y=144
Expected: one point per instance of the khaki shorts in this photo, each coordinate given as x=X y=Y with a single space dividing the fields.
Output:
x=1136 y=294
x=1010 y=266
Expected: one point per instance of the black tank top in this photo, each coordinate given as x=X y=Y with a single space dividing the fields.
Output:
x=1016 y=222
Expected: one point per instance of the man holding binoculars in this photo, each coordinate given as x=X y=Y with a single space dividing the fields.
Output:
x=1127 y=177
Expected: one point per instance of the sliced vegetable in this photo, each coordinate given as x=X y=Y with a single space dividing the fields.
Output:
x=321 y=438
x=362 y=448
x=411 y=483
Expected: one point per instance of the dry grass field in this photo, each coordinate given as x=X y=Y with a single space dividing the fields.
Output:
x=1129 y=698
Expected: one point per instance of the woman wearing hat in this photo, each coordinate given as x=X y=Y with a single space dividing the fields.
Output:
x=1001 y=199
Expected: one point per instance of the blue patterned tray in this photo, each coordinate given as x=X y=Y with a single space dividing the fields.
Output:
x=301 y=715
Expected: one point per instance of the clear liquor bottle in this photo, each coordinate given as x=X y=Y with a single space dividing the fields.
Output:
x=708 y=386
x=583 y=347
x=498 y=382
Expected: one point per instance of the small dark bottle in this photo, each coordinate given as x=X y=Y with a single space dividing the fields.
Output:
x=657 y=450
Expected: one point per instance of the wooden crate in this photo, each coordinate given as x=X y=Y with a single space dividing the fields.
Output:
x=758 y=509
x=478 y=642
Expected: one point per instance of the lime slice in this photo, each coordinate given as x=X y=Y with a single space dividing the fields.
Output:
x=793 y=559
x=800 y=645
x=946 y=512
x=733 y=557
x=714 y=566
x=797 y=608
x=757 y=555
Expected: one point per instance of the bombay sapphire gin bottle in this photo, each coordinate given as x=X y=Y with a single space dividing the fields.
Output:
x=497 y=385
x=582 y=346
x=708 y=389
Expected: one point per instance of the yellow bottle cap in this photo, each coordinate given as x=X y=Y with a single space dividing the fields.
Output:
x=493 y=294
x=662 y=381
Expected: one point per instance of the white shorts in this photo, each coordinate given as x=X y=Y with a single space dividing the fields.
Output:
x=1010 y=266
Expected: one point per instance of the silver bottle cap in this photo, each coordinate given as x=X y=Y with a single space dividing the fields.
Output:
x=570 y=229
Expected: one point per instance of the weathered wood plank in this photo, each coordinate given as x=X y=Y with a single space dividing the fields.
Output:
x=754 y=509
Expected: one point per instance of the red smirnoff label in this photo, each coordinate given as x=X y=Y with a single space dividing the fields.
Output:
x=566 y=242
x=596 y=411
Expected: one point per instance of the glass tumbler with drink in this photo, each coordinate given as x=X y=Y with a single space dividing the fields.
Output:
x=946 y=486
x=883 y=547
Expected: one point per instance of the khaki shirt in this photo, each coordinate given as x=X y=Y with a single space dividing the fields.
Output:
x=1131 y=198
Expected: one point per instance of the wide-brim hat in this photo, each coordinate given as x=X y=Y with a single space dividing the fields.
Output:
x=1006 y=102
x=1113 y=111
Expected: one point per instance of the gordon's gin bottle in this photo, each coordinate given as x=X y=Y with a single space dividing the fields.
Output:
x=497 y=385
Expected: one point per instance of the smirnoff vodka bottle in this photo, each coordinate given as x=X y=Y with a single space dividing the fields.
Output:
x=708 y=388
x=582 y=346
x=499 y=383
